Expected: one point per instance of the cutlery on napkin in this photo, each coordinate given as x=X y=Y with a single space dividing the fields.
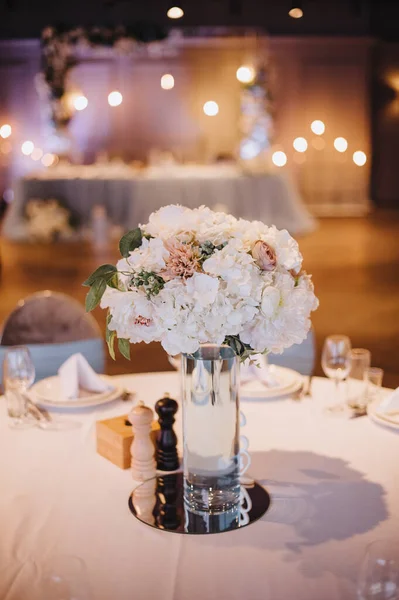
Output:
x=388 y=409
x=76 y=374
x=258 y=368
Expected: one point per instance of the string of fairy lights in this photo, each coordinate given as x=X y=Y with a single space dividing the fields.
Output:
x=211 y=109
x=301 y=145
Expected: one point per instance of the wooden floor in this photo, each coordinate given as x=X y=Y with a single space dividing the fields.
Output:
x=355 y=267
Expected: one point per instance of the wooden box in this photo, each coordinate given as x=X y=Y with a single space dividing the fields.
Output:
x=114 y=438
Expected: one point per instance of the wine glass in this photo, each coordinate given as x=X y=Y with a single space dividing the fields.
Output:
x=65 y=578
x=336 y=361
x=379 y=573
x=18 y=376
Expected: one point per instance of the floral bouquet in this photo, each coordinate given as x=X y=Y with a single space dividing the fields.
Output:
x=48 y=220
x=191 y=277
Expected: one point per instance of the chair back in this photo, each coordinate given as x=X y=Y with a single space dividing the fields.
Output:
x=53 y=326
x=48 y=358
x=48 y=318
x=300 y=357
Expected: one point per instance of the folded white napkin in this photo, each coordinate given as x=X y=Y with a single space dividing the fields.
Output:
x=76 y=373
x=258 y=368
x=389 y=407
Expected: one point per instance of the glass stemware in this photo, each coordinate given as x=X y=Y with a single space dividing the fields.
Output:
x=357 y=386
x=379 y=573
x=373 y=378
x=336 y=361
x=18 y=376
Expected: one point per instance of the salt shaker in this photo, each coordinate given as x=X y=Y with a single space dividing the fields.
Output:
x=142 y=448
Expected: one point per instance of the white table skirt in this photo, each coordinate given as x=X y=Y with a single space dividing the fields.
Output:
x=270 y=198
x=333 y=488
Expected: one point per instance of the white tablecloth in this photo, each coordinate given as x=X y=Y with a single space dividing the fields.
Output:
x=334 y=485
x=129 y=197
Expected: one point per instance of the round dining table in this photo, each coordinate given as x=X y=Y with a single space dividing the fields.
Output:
x=333 y=482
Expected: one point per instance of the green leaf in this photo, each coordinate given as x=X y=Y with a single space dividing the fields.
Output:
x=105 y=272
x=95 y=294
x=124 y=347
x=114 y=282
x=130 y=242
x=110 y=344
x=110 y=337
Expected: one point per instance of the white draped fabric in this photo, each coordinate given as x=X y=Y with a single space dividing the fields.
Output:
x=129 y=197
x=334 y=489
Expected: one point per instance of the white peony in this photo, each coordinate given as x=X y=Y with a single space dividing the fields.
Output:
x=284 y=316
x=285 y=247
x=133 y=316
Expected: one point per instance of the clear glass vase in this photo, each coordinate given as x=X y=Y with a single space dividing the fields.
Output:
x=210 y=393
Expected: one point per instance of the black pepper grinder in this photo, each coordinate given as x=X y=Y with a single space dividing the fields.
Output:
x=166 y=454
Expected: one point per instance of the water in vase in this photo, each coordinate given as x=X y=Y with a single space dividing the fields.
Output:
x=211 y=430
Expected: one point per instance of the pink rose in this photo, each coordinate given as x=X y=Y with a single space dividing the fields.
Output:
x=264 y=255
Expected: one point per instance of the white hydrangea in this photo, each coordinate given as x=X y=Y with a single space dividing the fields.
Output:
x=237 y=268
x=214 y=227
x=150 y=256
x=172 y=221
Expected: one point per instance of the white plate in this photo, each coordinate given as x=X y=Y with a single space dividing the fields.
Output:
x=379 y=419
x=47 y=393
x=290 y=382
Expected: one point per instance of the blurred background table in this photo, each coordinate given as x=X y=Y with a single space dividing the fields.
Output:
x=332 y=494
x=129 y=195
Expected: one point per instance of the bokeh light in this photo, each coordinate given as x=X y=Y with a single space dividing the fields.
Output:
x=211 y=108
x=27 y=147
x=49 y=160
x=359 y=158
x=296 y=12
x=167 y=81
x=318 y=143
x=80 y=102
x=175 y=12
x=279 y=158
x=5 y=131
x=5 y=148
x=300 y=144
x=340 y=144
x=245 y=74
x=299 y=159
x=36 y=154
x=115 y=98
x=318 y=127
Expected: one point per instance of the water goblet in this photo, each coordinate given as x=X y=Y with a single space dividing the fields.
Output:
x=18 y=376
x=336 y=362
x=379 y=572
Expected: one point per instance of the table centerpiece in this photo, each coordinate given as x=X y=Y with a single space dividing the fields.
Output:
x=216 y=290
